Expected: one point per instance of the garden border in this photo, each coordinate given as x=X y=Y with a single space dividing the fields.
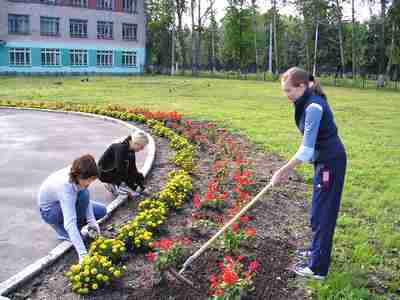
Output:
x=27 y=273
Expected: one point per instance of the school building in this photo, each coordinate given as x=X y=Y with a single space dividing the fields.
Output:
x=72 y=36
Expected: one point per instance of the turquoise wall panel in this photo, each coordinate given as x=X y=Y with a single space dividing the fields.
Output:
x=65 y=57
x=92 y=58
x=118 y=58
x=3 y=56
x=36 y=57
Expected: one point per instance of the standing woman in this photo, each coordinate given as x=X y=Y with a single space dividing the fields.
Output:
x=117 y=165
x=321 y=146
x=64 y=202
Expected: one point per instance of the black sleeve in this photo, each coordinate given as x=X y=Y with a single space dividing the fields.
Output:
x=134 y=178
x=121 y=159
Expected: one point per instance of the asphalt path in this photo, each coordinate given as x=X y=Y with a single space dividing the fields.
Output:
x=34 y=144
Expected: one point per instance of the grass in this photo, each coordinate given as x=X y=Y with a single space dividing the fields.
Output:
x=366 y=263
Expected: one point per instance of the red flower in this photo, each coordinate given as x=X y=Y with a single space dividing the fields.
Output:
x=253 y=266
x=189 y=122
x=219 y=292
x=229 y=277
x=151 y=256
x=235 y=227
x=223 y=196
x=244 y=219
x=250 y=231
x=213 y=281
x=196 y=201
x=209 y=196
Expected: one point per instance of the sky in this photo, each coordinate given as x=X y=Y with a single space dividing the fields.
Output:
x=362 y=10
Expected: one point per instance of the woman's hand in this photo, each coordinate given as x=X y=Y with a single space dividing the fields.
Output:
x=279 y=176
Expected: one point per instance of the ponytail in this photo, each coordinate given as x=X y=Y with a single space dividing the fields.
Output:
x=316 y=88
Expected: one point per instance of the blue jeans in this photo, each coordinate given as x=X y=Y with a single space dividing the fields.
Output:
x=54 y=216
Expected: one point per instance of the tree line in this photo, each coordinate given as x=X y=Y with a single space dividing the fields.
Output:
x=185 y=35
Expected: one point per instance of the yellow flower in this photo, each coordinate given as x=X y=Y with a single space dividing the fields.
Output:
x=77 y=278
x=99 y=277
x=95 y=286
x=117 y=273
x=93 y=271
x=76 y=269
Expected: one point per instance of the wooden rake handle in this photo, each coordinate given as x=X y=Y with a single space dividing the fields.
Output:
x=224 y=228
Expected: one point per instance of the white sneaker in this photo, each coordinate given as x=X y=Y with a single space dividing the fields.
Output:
x=307 y=272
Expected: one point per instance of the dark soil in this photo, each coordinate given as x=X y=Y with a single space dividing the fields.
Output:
x=280 y=218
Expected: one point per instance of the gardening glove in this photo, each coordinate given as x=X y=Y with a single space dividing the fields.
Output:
x=93 y=229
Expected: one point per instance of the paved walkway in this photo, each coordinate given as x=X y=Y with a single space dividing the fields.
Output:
x=32 y=145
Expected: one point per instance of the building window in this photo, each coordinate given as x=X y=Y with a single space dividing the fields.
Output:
x=52 y=2
x=104 y=4
x=18 y=24
x=78 y=57
x=129 y=32
x=104 y=58
x=78 y=28
x=49 y=26
x=129 y=58
x=104 y=30
x=19 y=56
x=79 y=3
x=50 y=57
x=130 y=6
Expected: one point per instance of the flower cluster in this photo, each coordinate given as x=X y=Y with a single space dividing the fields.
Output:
x=235 y=236
x=232 y=281
x=95 y=272
x=176 y=190
x=113 y=249
x=133 y=235
x=167 y=253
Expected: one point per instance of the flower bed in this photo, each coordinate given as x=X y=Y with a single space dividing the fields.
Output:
x=229 y=185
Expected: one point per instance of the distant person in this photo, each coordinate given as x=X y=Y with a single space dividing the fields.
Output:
x=65 y=204
x=322 y=147
x=117 y=165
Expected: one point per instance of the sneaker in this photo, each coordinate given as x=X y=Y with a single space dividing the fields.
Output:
x=303 y=253
x=307 y=272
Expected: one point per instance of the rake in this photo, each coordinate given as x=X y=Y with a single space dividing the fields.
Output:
x=190 y=260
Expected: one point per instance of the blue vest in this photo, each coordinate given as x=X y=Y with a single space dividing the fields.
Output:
x=328 y=144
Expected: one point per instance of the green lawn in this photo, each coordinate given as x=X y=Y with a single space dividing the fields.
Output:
x=367 y=241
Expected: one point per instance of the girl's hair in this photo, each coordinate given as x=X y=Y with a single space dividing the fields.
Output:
x=138 y=137
x=84 y=167
x=297 y=76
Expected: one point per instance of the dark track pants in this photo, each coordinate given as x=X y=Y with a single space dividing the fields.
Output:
x=327 y=191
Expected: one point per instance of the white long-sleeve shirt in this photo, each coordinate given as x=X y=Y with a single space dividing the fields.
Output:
x=58 y=188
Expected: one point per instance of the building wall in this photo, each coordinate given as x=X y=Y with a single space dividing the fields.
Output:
x=64 y=42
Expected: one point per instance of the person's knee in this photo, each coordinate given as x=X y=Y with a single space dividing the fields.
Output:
x=100 y=211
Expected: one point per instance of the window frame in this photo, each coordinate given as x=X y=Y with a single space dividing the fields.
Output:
x=57 y=25
x=102 y=25
x=105 y=4
x=53 y=51
x=16 y=19
x=78 y=22
x=82 y=52
x=129 y=54
x=135 y=28
x=105 y=52
x=27 y=52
